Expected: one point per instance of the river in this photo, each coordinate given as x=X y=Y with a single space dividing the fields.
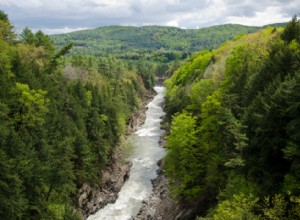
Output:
x=144 y=156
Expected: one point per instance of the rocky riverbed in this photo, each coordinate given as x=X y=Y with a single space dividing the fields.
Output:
x=113 y=175
x=161 y=205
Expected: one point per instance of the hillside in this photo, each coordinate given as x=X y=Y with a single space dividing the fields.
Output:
x=233 y=145
x=232 y=120
x=124 y=41
x=59 y=124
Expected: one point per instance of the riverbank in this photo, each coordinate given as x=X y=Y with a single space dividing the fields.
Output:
x=113 y=175
x=144 y=154
x=161 y=205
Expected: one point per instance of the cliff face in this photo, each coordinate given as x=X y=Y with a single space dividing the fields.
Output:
x=91 y=199
x=161 y=206
x=113 y=176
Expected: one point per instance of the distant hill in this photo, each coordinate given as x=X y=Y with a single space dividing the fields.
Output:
x=134 y=41
x=282 y=24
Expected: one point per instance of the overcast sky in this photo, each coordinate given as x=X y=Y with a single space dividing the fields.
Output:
x=60 y=16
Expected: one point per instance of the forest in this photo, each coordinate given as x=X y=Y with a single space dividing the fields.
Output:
x=154 y=43
x=159 y=49
x=60 y=119
x=234 y=117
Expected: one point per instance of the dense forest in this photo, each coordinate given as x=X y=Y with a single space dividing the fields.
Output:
x=59 y=121
x=156 y=43
x=153 y=50
x=234 y=114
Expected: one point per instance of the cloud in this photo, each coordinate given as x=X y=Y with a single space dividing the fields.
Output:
x=268 y=16
x=172 y=23
x=58 y=30
x=67 y=15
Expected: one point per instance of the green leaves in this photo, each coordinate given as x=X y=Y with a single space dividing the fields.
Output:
x=6 y=29
x=31 y=107
x=182 y=160
x=50 y=148
x=292 y=31
x=12 y=199
x=161 y=44
x=245 y=102
x=241 y=206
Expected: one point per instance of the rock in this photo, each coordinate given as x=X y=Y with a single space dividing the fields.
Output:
x=112 y=195
x=91 y=199
x=160 y=205
x=99 y=200
x=90 y=205
x=82 y=199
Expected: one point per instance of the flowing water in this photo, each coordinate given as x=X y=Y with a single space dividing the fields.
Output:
x=145 y=154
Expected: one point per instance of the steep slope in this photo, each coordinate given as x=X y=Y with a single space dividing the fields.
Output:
x=59 y=125
x=233 y=139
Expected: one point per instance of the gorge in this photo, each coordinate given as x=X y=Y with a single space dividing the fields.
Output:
x=144 y=156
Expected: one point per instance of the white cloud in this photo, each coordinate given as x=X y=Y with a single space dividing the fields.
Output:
x=172 y=23
x=268 y=16
x=61 y=30
x=58 y=14
x=21 y=4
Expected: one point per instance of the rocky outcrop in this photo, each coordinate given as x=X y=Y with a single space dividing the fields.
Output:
x=91 y=199
x=161 y=206
x=113 y=176
x=136 y=120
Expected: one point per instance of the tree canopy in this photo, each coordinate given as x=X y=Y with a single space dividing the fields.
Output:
x=59 y=122
x=242 y=103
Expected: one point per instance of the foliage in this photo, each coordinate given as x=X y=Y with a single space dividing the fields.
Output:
x=183 y=156
x=154 y=50
x=286 y=207
x=244 y=97
x=157 y=43
x=59 y=122
x=6 y=29
x=239 y=207
x=292 y=31
x=31 y=107
x=176 y=97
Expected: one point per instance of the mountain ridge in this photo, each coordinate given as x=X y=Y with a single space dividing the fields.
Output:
x=124 y=39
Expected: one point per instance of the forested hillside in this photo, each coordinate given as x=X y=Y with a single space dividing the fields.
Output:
x=233 y=145
x=233 y=113
x=59 y=122
x=154 y=49
x=157 y=43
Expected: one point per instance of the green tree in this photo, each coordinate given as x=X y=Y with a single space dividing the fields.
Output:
x=292 y=31
x=13 y=202
x=27 y=36
x=31 y=107
x=239 y=207
x=182 y=160
x=6 y=29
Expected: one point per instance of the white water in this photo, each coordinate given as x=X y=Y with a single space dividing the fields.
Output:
x=146 y=153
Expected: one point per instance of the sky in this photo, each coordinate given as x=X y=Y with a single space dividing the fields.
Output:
x=62 y=16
